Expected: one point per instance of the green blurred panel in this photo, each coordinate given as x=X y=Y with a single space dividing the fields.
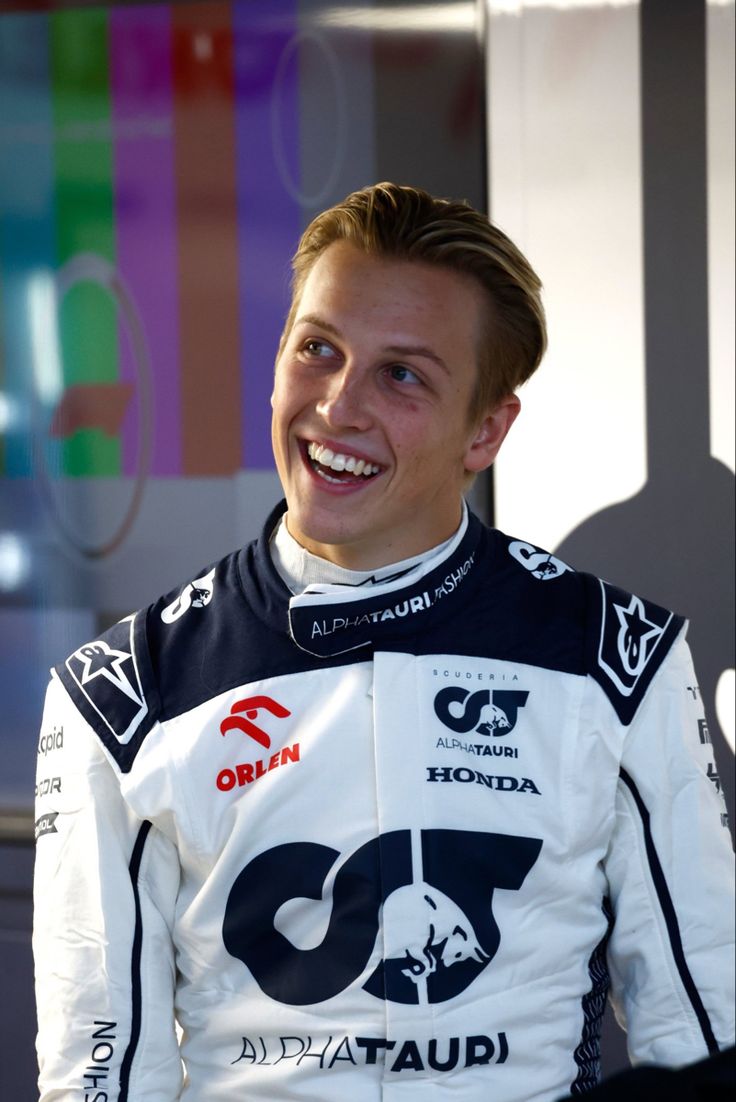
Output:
x=85 y=221
x=88 y=336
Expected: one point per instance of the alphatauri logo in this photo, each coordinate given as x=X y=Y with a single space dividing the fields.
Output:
x=429 y=894
x=487 y=711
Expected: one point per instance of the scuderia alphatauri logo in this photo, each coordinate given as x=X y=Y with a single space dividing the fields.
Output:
x=487 y=711
x=428 y=893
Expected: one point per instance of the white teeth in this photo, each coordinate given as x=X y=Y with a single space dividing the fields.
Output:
x=340 y=462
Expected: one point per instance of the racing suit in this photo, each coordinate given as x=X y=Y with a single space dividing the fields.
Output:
x=385 y=843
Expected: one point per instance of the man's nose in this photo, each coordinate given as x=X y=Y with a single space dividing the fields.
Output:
x=346 y=401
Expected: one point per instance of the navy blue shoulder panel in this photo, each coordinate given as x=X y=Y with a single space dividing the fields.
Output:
x=628 y=640
x=216 y=634
x=110 y=682
x=516 y=603
x=496 y=598
x=526 y=605
x=520 y=604
x=158 y=662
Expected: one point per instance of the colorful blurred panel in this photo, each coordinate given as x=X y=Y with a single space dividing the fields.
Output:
x=149 y=203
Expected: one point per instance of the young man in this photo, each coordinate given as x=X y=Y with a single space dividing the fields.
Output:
x=372 y=807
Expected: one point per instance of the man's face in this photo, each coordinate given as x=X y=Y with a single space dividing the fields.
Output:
x=371 y=429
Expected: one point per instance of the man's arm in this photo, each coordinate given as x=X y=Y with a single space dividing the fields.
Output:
x=670 y=871
x=105 y=888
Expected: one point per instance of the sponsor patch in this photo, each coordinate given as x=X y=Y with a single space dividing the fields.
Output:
x=323 y=623
x=242 y=715
x=540 y=564
x=245 y=773
x=196 y=594
x=105 y=674
x=244 y=712
x=46 y=824
x=635 y=635
x=96 y=1076
x=398 y=1055
x=445 y=774
x=491 y=712
x=630 y=634
x=432 y=914
x=106 y=684
x=47 y=743
x=48 y=786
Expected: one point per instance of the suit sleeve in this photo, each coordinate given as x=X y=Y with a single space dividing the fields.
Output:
x=670 y=873
x=105 y=888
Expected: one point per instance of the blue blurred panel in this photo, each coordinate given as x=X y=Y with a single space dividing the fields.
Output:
x=27 y=228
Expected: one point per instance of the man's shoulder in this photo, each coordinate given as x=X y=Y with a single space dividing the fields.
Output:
x=622 y=638
x=158 y=661
x=534 y=588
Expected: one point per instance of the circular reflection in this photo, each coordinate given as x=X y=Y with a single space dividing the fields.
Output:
x=303 y=50
x=91 y=268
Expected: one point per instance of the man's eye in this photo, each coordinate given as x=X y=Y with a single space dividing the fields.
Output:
x=317 y=348
x=402 y=374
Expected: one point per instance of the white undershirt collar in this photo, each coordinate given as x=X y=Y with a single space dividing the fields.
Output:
x=299 y=568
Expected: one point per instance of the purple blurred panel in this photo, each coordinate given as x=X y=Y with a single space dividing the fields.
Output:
x=142 y=111
x=269 y=214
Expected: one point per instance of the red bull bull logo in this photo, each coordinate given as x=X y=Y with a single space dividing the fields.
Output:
x=440 y=934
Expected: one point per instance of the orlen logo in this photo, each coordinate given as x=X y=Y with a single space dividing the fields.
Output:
x=488 y=712
x=241 y=717
x=243 y=712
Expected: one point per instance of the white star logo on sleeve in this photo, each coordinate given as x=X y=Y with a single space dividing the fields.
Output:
x=100 y=660
x=634 y=636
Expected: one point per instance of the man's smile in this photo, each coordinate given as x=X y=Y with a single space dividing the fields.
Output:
x=327 y=462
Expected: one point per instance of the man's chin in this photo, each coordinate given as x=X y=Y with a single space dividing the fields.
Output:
x=331 y=538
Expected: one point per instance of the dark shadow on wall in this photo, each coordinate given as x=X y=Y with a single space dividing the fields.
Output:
x=673 y=541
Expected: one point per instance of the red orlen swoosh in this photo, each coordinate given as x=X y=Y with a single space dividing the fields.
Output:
x=251 y=706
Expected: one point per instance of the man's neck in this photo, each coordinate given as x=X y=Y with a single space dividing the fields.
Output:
x=300 y=568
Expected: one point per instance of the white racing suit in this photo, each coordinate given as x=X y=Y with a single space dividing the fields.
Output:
x=378 y=844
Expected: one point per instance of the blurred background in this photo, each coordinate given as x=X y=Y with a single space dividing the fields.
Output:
x=157 y=164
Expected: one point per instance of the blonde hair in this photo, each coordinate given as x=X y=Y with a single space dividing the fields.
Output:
x=407 y=223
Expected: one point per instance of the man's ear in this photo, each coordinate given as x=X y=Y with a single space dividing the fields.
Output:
x=491 y=433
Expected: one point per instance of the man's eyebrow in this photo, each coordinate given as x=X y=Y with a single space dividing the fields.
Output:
x=391 y=350
x=315 y=319
x=417 y=350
